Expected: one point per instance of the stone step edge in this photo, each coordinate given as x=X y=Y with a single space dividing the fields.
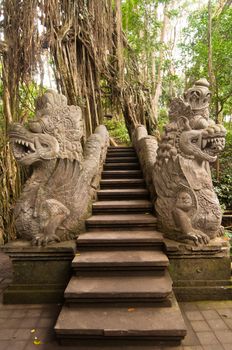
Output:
x=105 y=238
x=121 y=174
x=112 y=288
x=115 y=207
x=169 y=323
x=123 y=181
x=121 y=159
x=129 y=260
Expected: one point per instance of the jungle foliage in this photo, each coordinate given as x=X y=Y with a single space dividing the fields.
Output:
x=195 y=58
x=110 y=57
x=85 y=45
x=195 y=55
x=223 y=184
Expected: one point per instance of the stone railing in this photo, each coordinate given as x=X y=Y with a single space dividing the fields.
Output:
x=146 y=147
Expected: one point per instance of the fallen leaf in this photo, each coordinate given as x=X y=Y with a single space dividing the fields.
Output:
x=37 y=341
x=131 y=309
x=32 y=330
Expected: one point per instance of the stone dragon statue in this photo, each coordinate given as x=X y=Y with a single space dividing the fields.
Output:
x=187 y=206
x=55 y=199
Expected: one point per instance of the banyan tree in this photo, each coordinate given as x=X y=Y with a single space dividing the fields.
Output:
x=93 y=65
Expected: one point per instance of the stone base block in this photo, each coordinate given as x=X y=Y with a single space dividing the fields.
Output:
x=201 y=292
x=200 y=272
x=40 y=274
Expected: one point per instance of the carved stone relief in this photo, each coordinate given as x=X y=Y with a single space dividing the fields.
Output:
x=55 y=198
x=187 y=206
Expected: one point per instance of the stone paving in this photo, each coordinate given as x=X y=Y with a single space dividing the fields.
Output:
x=30 y=327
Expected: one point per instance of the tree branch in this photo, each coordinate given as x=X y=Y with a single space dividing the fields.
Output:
x=3 y=47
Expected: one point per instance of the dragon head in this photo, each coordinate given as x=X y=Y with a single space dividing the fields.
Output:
x=202 y=144
x=56 y=132
x=29 y=147
x=191 y=133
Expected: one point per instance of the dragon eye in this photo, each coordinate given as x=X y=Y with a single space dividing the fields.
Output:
x=44 y=145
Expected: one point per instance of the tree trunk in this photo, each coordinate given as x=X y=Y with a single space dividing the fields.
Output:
x=222 y=6
x=158 y=89
x=119 y=48
x=212 y=78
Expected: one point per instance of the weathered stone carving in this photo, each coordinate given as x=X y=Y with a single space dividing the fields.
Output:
x=55 y=199
x=187 y=206
x=146 y=147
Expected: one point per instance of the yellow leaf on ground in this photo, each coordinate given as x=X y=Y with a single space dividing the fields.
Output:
x=37 y=341
x=131 y=309
x=32 y=330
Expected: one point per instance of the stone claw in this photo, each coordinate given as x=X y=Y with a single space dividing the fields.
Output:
x=221 y=231
x=43 y=240
x=197 y=237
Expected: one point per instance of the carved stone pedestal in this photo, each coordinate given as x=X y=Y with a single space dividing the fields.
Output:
x=40 y=274
x=200 y=272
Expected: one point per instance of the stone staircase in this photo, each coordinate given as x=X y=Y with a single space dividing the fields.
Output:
x=120 y=295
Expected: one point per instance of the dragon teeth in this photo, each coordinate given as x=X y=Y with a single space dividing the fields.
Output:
x=25 y=143
x=204 y=143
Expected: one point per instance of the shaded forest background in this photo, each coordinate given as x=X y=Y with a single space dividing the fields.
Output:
x=120 y=61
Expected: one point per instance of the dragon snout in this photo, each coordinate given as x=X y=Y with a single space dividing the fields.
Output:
x=213 y=139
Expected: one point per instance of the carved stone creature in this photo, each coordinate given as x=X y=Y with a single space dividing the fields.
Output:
x=187 y=206
x=55 y=199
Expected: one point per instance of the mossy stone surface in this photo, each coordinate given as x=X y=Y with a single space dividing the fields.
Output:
x=194 y=269
x=40 y=274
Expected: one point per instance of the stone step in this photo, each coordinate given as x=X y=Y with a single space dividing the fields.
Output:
x=122 y=174
x=110 y=159
x=121 y=238
x=114 y=344
x=121 y=166
x=120 y=323
x=121 y=154
x=116 y=149
x=121 y=221
x=125 y=260
x=122 y=206
x=122 y=183
x=132 y=193
x=119 y=288
x=120 y=295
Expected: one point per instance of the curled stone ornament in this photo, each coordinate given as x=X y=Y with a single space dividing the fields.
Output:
x=55 y=198
x=187 y=206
